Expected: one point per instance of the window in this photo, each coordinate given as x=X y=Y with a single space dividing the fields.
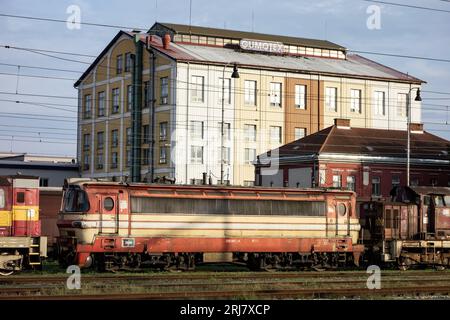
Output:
x=43 y=182
x=322 y=177
x=401 y=104
x=225 y=156
x=197 y=89
x=355 y=100
x=415 y=182
x=128 y=163
x=114 y=138
x=299 y=133
x=129 y=97
x=227 y=92
x=351 y=183
x=2 y=198
x=337 y=181
x=129 y=134
x=87 y=106
x=197 y=129
x=115 y=100
x=101 y=104
x=145 y=133
x=433 y=182
x=250 y=92
x=197 y=154
x=395 y=181
x=128 y=62
x=300 y=96
x=376 y=186
x=146 y=94
x=86 y=141
x=163 y=155
x=249 y=155
x=100 y=140
x=164 y=90
x=20 y=197
x=86 y=162
x=163 y=131
x=114 y=158
x=275 y=94
x=226 y=130
x=249 y=183
x=100 y=160
x=275 y=134
x=145 y=156
x=119 y=64
x=250 y=132
x=108 y=204
x=331 y=99
x=379 y=103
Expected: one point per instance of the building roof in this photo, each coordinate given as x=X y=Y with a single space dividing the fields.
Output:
x=351 y=144
x=354 y=66
x=234 y=34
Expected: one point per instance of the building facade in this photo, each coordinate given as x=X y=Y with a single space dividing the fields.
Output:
x=52 y=171
x=368 y=161
x=287 y=88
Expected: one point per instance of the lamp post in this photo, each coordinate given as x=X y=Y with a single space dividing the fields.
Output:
x=234 y=75
x=418 y=98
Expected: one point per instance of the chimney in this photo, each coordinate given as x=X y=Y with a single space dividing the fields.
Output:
x=416 y=128
x=166 y=41
x=342 y=123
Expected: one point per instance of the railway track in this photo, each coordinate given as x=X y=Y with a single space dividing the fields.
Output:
x=221 y=285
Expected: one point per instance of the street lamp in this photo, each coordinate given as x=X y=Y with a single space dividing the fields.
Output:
x=418 y=98
x=234 y=75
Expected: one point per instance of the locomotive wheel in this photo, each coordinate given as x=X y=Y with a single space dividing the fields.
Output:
x=6 y=272
x=404 y=263
x=439 y=267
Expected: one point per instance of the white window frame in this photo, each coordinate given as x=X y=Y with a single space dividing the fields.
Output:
x=163 y=130
x=247 y=153
x=402 y=104
x=250 y=132
x=275 y=134
x=296 y=136
x=87 y=106
x=331 y=98
x=197 y=153
x=162 y=155
x=355 y=100
x=275 y=94
x=164 y=90
x=227 y=90
x=351 y=181
x=379 y=103
x=225 y=155
x=197 y=88
x=197 y=130
x=337 y=181
x=101 y=104
x=300 y=96
x=250 y=92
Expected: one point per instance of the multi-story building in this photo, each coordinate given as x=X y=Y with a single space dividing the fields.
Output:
x=368 y=161
x=287 y=88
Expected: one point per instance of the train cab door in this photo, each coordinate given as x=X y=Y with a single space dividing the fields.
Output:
x=109 y=214
x=342 y=219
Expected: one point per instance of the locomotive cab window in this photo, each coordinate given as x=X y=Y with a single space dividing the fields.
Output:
x=75 y=200
x=341 y=209
x=2 y=198
x=20 y=197
x=108 y=204
x=439 y=201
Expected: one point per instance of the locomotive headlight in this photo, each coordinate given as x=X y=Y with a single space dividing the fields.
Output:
x=79 y=224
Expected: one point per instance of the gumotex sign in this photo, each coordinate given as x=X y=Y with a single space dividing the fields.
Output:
x=263 y=46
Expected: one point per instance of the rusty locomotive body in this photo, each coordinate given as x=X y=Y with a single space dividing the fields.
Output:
x=21 y=243
x=413 y=228
x=114 y=225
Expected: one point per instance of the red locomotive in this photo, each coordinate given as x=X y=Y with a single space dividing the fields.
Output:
x=117 y=225
x=411 y=229
x=21 y=244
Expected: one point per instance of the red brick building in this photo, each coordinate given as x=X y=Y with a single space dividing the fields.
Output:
x=368 y=161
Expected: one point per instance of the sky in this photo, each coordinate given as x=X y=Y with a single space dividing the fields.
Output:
x=47 y=125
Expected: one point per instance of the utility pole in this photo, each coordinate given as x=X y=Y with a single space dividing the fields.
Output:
x=136 y=112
